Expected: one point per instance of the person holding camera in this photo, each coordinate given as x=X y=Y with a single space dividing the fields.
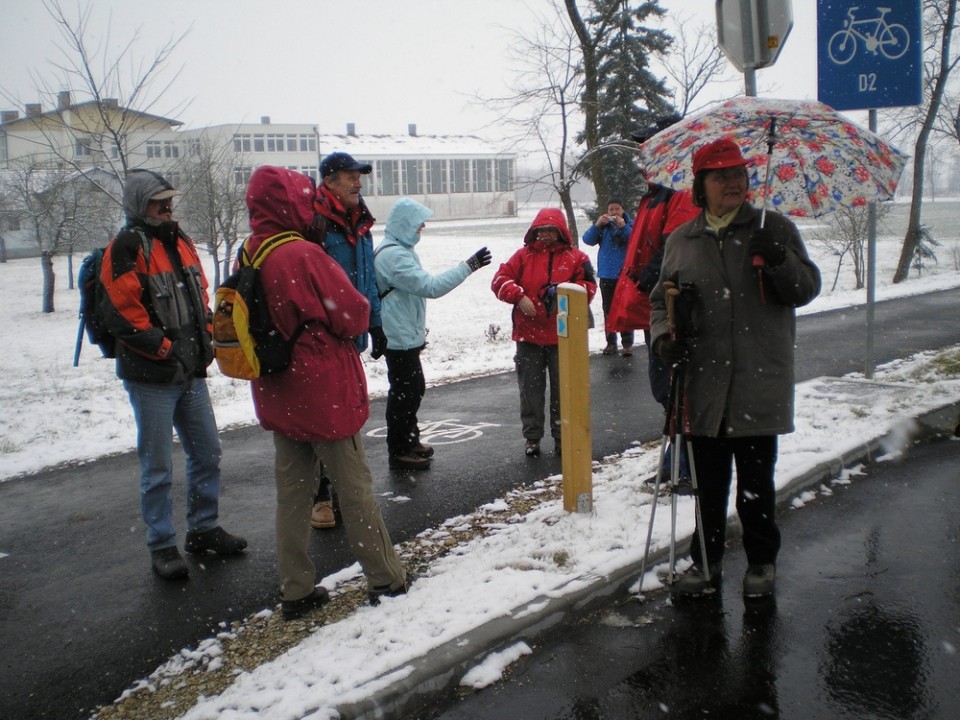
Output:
x=404 y=287
x=738 y=356
x=528 y=281
x=611 y=232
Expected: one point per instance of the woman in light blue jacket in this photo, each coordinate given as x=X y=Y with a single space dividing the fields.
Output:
x=404 y=287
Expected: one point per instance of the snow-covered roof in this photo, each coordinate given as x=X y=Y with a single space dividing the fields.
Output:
x=405 y=145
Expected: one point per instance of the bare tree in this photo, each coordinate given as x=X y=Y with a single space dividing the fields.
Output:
x=844 y=235
x=694 y=63
x=117 y=90
x=213 y=206
x=543 y=107
x=940 y=18
x=105 y=95
x=58 y=208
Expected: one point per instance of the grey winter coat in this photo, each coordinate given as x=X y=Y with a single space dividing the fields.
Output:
x=739 y=379
x=404 y=285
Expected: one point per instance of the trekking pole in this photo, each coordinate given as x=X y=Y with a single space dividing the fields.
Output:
x=656 y=486
x=670 y=294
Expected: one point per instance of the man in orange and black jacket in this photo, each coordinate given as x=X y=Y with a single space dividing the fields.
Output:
x=156 y=307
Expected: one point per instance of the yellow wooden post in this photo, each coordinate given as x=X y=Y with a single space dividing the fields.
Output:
x=575 y=436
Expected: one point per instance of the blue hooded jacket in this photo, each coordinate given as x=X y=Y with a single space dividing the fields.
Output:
x=613 y=246
x=404 y=285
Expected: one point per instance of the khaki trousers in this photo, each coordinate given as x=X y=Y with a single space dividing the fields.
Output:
x=345 y=463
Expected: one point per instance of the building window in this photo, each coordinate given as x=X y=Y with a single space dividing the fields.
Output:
x=83 y=148
x=482 y=175
x=241 y=143
x=437 y=182
x=311 y=172
x=504 y=179
x=388 y=177
x=461 y=176
x=412 y=182
x=258 y=143
x=242 y=174
x=171 y=149
x=308 y=143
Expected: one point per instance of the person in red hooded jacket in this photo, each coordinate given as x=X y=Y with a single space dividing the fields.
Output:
x=315 y=408
x=528 y=281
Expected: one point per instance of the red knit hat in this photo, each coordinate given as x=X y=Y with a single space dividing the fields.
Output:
x=722 y=153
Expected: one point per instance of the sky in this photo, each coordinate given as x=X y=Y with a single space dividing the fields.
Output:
x=380 y=64
x=51 y=412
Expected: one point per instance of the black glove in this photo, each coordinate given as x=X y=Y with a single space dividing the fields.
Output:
x=548 y=296
x=479 y=259
x=378 y=340
x=672 y=352
x=765 y=244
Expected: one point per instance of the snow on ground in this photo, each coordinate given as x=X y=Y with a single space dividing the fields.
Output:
x=53 y=413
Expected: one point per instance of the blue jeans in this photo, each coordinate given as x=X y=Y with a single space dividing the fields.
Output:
x=186 y=407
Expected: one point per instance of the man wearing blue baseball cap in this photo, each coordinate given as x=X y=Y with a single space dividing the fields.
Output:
x=344 y=222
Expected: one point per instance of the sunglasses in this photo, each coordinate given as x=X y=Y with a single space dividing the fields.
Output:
x=163 y=206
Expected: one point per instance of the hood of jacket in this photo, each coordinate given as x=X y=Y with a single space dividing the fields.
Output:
x=279 y=199
x=404 y=221
x=549 y=217
x=139 y=186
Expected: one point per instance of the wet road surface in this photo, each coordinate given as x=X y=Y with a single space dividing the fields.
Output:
x=865 y=623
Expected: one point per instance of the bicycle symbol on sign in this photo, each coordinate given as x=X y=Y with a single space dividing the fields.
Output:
x=876 y=34
x=443 y=432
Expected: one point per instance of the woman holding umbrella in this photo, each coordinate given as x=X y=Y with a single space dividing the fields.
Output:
x=736 y=350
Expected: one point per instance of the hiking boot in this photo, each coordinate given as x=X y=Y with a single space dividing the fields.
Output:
x=627 y=351
x=382 y=591
x=694 y=583
x=322 y=516
x=609 y=350
x=409 y=461
x=532 y=448
x=423 y=450
x=296 y=609
x=168 y=564
x=759 y=580
x=217 y=540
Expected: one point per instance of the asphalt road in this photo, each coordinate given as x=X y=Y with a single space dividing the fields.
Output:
x=82 y=616
x=863 y=624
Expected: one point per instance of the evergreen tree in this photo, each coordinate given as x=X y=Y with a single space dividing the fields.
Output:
x=627 y=93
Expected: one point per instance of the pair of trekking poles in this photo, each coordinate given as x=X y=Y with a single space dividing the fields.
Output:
x=679 y=302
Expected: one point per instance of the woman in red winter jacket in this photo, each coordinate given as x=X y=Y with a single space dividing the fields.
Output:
x=528 y=281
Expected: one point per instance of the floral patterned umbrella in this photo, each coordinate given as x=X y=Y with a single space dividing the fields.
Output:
x=820 y=161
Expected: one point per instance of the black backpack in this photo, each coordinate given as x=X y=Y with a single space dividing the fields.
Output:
x=92 y=293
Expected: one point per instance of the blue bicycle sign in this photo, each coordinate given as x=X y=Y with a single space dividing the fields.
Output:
x=875 y=34
x=869 y=56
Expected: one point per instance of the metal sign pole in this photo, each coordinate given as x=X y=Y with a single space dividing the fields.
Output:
x=871 y=269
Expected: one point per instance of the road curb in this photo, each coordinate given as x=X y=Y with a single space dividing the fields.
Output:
x=406 y=689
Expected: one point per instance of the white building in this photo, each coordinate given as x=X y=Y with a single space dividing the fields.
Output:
x=457 y=176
